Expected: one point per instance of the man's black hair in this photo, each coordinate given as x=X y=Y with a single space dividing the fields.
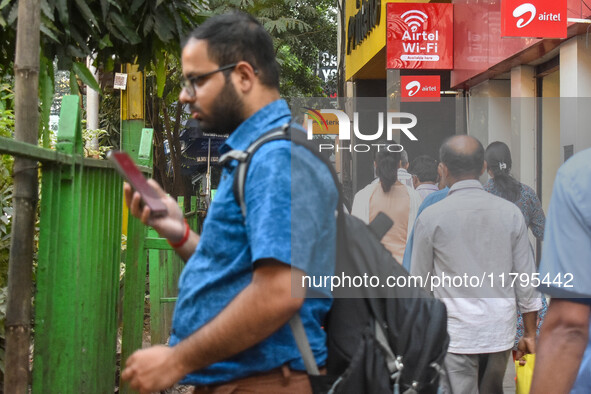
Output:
x=237 y=36
x=425 y=168
x=465 y=163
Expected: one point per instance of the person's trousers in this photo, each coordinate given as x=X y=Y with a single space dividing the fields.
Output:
x=280 y=381
x=476 y=373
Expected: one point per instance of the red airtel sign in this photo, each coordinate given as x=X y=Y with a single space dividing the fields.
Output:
x=420 y=87
x=419 y=36
x=533 y=18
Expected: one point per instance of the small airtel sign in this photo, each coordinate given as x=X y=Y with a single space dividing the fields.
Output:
x=420 y=88
x=533 y=18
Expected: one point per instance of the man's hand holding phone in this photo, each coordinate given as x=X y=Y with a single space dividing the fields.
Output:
x=170 y=225
x=149 y=203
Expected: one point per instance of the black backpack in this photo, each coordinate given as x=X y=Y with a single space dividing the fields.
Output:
x=392 y=340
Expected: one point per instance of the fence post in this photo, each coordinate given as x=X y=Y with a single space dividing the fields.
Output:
x=134 y=285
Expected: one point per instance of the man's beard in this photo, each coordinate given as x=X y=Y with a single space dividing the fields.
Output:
x=226 y=112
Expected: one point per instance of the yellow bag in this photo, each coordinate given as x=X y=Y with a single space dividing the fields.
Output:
x=524 y=374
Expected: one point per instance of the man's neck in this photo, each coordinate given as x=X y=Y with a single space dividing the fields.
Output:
x=259 y=100
x=452 y=181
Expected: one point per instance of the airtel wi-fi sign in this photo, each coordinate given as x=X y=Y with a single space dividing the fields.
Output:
x=419 y=36
x=533 y=18
x=420 y=87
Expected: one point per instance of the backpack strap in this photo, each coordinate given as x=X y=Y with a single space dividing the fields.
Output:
x=280 y=133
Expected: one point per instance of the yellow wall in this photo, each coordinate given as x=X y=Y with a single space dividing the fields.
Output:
x=373 y=43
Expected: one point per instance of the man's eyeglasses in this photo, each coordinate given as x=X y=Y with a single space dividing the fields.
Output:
x=190 y=83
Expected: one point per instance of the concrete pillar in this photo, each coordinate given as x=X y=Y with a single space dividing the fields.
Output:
x=523 y=124
x=575 y=93
x=489 y=111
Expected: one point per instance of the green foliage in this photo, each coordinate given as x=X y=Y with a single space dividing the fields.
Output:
x=6 y=184
x=300 y=31
x=115 y=30
x=46 y=91
x=109 y=120
x=101 y=136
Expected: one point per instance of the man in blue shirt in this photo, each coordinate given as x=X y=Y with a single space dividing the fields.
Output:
x=565 y=273
x=235 y=292
x=427 y=202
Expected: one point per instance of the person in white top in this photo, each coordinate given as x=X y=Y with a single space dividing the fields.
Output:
x=387 y=194
x=480 y=240
x=403 y=176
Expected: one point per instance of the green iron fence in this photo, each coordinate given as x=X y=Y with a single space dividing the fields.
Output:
x=165 y=267
x=75 y=322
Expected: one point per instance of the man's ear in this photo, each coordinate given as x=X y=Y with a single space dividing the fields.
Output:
x=442 y=171
x=244 y=76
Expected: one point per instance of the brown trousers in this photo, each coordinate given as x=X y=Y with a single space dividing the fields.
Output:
x=278 y=381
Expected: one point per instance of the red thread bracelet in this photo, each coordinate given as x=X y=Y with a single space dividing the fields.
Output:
x=185 y=237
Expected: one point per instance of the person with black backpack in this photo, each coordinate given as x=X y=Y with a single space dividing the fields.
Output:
x=229 y=329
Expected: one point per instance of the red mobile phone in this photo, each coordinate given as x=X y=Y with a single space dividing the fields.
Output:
x=136 y=179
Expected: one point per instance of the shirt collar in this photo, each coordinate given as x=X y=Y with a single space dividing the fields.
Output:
x=467 y=184
x=427 y=186
x=266 y=118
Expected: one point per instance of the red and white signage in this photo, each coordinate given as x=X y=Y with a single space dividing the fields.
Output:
x=420 y=88
x=533 y=18
x=419 y=36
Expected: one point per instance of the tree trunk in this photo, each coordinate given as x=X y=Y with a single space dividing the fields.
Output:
x=18 y=315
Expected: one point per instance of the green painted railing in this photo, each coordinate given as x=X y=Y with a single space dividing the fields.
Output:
x=165 y=267
x=75 y=322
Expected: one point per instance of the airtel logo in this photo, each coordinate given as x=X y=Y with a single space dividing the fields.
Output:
x=524 y=9
x=413 y=88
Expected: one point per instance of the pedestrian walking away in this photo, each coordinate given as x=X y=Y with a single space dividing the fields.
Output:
x=467 y=234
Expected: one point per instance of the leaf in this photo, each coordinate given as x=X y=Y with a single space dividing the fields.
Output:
x=105 y=42
x=87 y=13
x=74 y=89
x=163 y=27
x=115 y=4
x=86 y=76
x=45 y=30
x=75 y=51
x=12 y=14
x=114 y=32
x=62 y=12
x=158 y=2
x=80 y=41
x=160 y=72
x=179 y=25
x=47 y=10
x=109 y=65
x=4 y=3
x=148 y=24
x=46 y=91
x=123 y=26
x=135 y=6
x=104 y=8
